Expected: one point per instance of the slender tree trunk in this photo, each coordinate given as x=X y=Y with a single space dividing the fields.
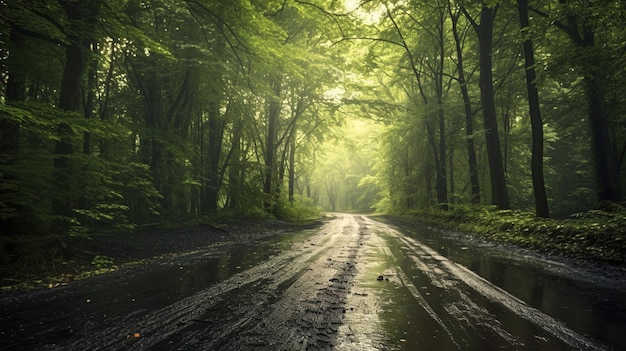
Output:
x=235 y=181
x=469 y=117
x=451 y=167
x=606 y=174
x=90 y=96
x=439 y=189
x=270 y=142
x=214 y=149
x=539 y=189
x=107 y=93
x=499 y=192
x=292 y=166
x=442 y=182
x=10 y=142
x=151 y=146
x=607 y=182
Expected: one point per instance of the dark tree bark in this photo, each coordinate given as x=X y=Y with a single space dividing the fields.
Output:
x=10 y=139
x=469 y=117
x=235 y=174
x=451 y=167
x=442 y=182
x=484 y=30
x=270 y=142
x=211 y=141
x=607 y=182
x=103 y=151
x=292 y=167
x=214 y=152
x=606 y=175
x=582 y=33
x=539 y=189
x=90 y=96
x=80 y=15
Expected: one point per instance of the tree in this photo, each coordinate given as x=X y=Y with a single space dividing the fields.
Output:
x=581 y=22
x=467 y=107
x=81 y=17
x=541 y=199
x=484 y=32
x=427 y=70
x=10 y=139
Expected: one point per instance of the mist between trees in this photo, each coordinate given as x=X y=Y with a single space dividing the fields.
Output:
x=122 y=114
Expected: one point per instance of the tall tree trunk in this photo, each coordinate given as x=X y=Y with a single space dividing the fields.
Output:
x=442 y=181
x=469 y=117
x=539 y=189
x=235 y=177
x=151 y=149
x=103 y=151
x=216 y=136
x=10 y=141
x=90 y=96
x=606 y=175
x=451 y=167
x=270 y=142
x=78 y=14
x=292 y=166
x=606 y=168
x=499 y=192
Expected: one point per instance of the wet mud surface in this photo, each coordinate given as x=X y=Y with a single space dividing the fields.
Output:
x=351 y=284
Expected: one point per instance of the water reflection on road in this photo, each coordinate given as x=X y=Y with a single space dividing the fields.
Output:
x=583 y=305
x=427 y=299
x=187 y=276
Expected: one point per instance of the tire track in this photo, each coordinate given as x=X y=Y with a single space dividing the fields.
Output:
x=464 y=316
x=268 y=306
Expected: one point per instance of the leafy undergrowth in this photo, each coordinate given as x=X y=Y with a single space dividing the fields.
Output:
x=594 y=235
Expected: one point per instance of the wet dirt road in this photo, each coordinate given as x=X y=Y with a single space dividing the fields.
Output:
x=352 y=284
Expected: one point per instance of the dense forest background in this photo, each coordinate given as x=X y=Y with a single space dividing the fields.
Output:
x=121 y=114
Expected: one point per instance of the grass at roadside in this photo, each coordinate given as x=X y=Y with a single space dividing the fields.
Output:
x=593 y=235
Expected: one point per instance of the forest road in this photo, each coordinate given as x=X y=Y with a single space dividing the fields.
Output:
x=352 y=284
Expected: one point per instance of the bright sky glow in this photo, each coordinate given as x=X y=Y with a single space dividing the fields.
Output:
x=335 y=94
x=351 y=4
x=367 y=16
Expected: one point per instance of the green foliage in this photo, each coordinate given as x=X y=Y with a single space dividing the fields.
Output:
x=103 y=264
x=298 y=209
x=595 y=234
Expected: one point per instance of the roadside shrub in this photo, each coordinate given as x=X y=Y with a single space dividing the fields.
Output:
x=595 y=235
x=298 y=209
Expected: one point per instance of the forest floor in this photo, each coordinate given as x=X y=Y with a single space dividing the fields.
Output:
x=104 y=253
